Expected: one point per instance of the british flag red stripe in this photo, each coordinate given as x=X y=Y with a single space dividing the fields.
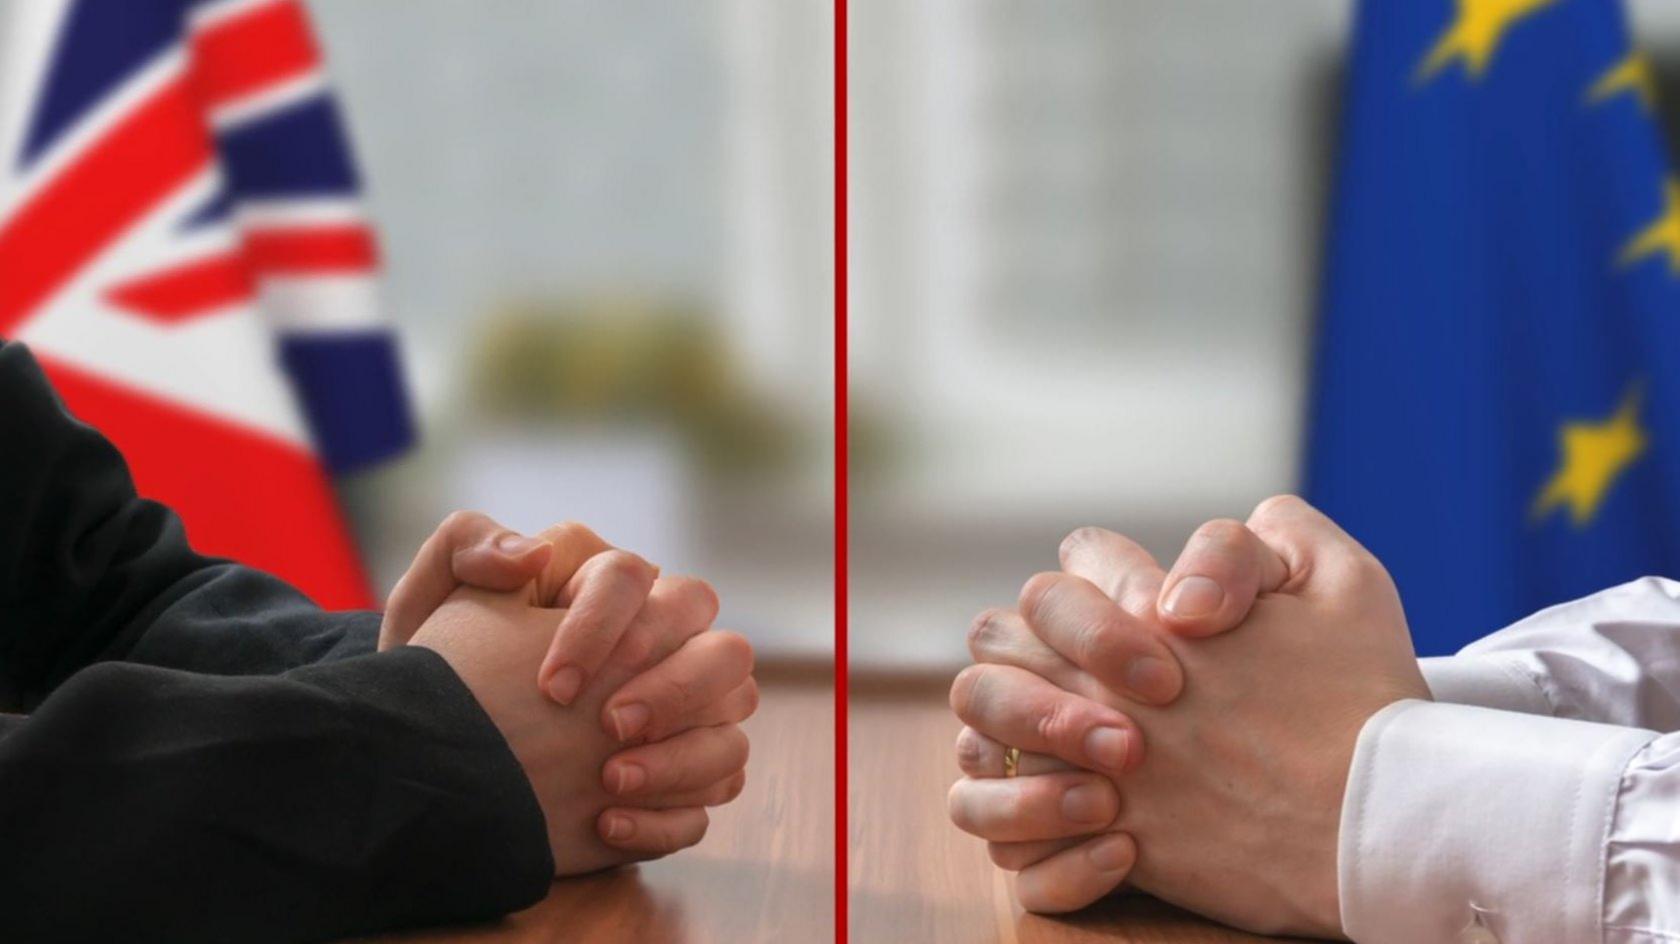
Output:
x=253 y=50
x=191 y=289
x=346 y=248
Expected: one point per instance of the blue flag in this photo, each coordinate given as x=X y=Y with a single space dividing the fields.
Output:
x=1497 y=402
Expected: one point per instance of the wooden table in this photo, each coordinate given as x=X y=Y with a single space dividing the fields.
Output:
x=916 y=878
x=765 y=871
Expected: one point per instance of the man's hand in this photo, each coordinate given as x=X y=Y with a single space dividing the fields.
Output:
x=1237 y=811
x=602 y=588
x=1064 y=864
x=688 y=677
x=605 y=808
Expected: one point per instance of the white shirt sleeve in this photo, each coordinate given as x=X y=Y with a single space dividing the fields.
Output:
x=1613 y=657
x=1539 y=803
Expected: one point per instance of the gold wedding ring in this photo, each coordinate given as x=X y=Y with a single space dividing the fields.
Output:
x=1011 y=761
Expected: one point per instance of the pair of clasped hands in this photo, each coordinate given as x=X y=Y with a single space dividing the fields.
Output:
x=608 y=683
x=1185 y=733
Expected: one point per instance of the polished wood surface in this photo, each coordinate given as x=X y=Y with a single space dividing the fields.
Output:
x=915 y=877
x=765 y=871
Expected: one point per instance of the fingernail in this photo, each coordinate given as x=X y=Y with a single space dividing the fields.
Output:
x=1084 y=804
x=628 y=720
x=1111 y=854
x=1151 y=680
x=628 y=778
x=1107 y=747
x=516 y=544
x=1195 y=597
x=563 y=685
x=620 y=827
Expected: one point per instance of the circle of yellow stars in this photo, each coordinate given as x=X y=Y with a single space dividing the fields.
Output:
x=1592 y=454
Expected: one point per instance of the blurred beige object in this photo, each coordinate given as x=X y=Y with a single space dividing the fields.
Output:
x=629 y=362
x=633 y=487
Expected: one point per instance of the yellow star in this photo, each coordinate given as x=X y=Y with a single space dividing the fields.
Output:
x=1663 y=235
x=1475 y=34
x=1593 y=455
x=1633 y=74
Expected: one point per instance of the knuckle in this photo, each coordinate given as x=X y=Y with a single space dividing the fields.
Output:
x=1058 y=724
x=1002 y=855
x=715 y=794
x=1223 y=534
x=621 y=565
x=983 y=632
x=749 y=698
x=1278 y=505
x=636 y=647
x=1365 y=568
x=665 y=762
x=734 y=649
x=737 y=748
x=677 y=838
x=957 y=806
x=1078 y=538
x=963 y=689
x=568 y=533
x=1034 y=899
x=673 y=693
x=697 y=595
x=461 y=522
x=971 y=751
x=691 y=603
x=966 y=690
x=1098 y=641
x=1036 y=594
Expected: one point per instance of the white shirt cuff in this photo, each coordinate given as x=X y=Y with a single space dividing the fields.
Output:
x=1455 y=810
x=1494 y=680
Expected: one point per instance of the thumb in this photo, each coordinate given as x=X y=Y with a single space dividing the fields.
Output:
x=1225 y=566
x=467 y=549
x=1312 y=547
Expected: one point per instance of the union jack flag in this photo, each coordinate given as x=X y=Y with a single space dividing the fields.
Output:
x=183 y=246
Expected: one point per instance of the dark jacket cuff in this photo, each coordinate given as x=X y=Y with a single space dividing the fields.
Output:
x=466 y=835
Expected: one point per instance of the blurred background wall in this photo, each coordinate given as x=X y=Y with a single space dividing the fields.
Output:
x=1085 y=260
x=608 y=235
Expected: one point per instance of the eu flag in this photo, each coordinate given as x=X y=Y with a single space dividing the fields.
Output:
x=1497 y=402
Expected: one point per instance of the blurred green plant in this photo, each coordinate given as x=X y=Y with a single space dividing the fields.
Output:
x=626 y=361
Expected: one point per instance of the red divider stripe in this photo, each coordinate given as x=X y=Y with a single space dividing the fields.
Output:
x=842 y=515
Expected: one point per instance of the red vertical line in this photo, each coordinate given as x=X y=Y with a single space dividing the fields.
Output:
x=842 y=523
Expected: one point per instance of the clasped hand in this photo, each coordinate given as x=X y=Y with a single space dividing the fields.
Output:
x=1186 y=733
x=620 y=702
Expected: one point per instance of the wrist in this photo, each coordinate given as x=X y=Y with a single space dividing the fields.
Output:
x=1323 y=904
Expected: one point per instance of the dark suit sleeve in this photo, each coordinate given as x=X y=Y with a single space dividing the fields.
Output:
x=90 y=571
x=288 y=787
x=365 y=794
